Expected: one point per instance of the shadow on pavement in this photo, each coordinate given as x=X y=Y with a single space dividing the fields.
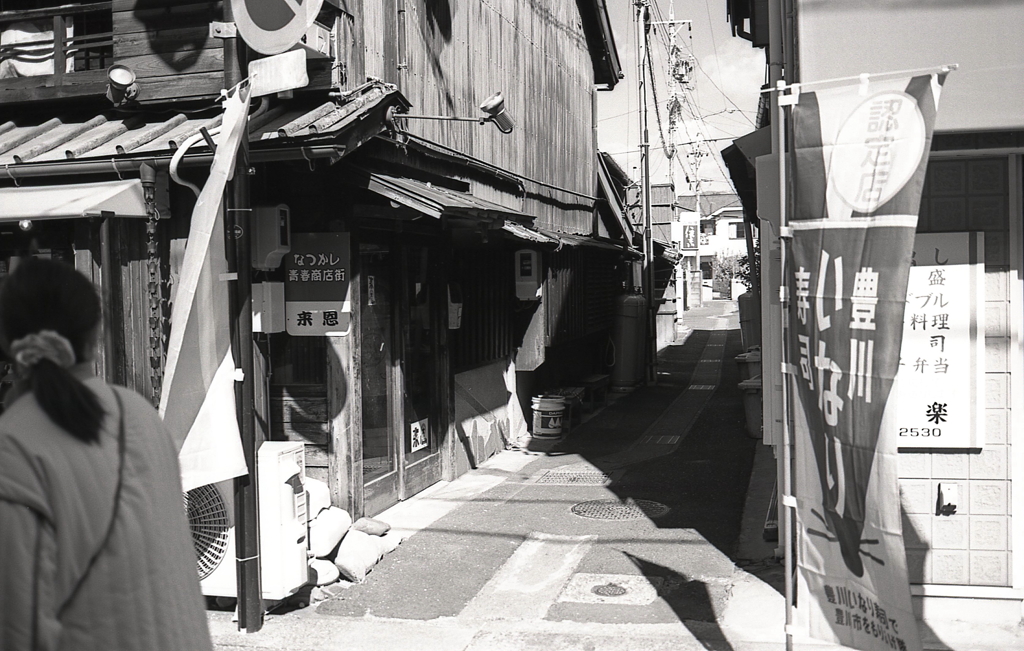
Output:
x=691 y=600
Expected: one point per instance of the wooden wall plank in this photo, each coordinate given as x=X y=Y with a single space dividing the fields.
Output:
x=184 y=87
x=155 y=41
x=537 y=55
x=151 y=66
x=172 y=16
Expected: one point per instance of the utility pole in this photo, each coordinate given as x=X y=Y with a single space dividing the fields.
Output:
x=680 y=78
x=643 y=20
x=237 y=240
x=680 y=68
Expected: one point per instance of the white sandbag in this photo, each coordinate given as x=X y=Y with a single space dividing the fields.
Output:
x=318 y=496
x=371 y=526
x=323 y=572
x=392 y=540
x=358 y=553
x=327 y=529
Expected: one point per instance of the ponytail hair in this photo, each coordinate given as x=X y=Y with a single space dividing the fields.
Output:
x=49 y=317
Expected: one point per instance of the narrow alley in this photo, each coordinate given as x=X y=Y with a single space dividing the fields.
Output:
x=623 y=534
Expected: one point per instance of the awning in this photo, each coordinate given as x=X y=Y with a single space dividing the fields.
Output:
x=740 y=160
x=582 y=240
x=113 y=198
x=527 y=234
x=666 y=251
x=612 y=197
x=432 y=200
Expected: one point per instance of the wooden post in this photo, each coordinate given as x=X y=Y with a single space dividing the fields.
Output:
x=59 y=60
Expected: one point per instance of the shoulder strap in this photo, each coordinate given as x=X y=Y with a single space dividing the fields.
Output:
x=116 y=508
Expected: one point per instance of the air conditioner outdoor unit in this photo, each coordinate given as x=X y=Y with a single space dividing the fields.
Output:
x=283 y=525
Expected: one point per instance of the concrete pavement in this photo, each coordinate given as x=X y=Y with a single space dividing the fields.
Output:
x=639 y=530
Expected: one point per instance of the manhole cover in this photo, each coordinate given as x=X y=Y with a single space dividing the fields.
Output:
x=574 y=478
x=609 y=590
x=616 y=510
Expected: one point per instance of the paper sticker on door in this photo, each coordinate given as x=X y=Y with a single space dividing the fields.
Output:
x=419 y=435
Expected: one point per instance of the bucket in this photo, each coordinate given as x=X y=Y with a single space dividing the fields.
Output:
x=547 y=416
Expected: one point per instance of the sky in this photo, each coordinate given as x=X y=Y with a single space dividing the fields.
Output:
x=722 y=97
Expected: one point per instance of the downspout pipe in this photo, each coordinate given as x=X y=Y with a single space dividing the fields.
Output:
x=237 y=240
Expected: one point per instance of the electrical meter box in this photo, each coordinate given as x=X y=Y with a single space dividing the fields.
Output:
x=271 y=228
x=527 y=275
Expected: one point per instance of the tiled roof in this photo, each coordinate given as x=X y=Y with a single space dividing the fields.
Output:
x=120 y=135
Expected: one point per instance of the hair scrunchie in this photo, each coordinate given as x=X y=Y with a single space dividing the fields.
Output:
x=45 y=344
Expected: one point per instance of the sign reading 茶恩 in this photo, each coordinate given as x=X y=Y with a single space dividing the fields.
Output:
x=942 y=360
x=316 y=288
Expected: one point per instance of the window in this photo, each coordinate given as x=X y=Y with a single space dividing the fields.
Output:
x=736 y=231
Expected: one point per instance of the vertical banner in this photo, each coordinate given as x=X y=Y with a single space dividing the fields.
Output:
x=197 y=402
x=858 y=164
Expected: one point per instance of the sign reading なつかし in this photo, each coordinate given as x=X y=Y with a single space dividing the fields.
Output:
x=316 y=288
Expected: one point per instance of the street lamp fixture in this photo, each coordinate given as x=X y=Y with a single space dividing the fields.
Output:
x=493 y=107
x=121 y=86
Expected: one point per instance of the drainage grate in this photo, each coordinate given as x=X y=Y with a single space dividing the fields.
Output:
x=574 y=478
x=609 y=590
x=616 y=510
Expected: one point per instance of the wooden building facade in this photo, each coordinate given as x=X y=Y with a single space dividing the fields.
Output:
x=442 y=352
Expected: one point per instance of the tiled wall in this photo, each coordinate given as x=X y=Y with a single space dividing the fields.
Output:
x=972 y=546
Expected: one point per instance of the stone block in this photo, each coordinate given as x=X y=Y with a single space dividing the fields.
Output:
x=995 y=426
x=949 y=465
x=996 y=284
x=918 y=570
x=988 y=497
x=917 y=531
x=996 y=324
x=915 y=465
x=948 y=214
x=997 y=359
x=949 y=566
x=995 y=390
x=949 y=532
x=989 y=532
x=917 y=496
x=990 y=463
x=996 y=250
x=989 y=568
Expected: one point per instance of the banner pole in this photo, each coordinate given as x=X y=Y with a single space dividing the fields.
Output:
x=786 y=500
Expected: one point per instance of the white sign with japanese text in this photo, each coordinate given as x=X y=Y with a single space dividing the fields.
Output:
x=317 y=285
x=942 y=360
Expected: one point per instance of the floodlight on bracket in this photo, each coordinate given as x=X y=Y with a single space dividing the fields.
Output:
x=493 y=107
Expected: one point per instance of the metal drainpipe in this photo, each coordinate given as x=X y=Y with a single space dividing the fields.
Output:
x=237 y=221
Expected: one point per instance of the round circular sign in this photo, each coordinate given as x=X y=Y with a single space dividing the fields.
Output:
x=273 y=26
x=878 y=149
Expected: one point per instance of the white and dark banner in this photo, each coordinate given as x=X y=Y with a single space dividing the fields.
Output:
x=858 y=164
